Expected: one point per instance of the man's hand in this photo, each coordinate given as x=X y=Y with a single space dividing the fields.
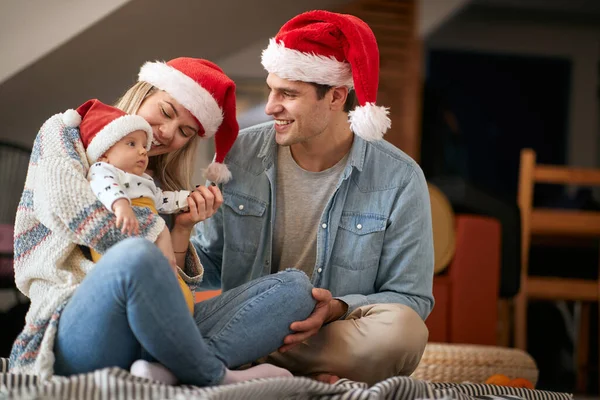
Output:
x=126 y=219
x=326 y=310
x=163 y=242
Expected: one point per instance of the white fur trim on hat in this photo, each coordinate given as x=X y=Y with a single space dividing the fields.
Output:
x=370 y=121
x=297 y=66
x=71 y=118
x=186 y=91
x=218 y=173
x=116 y=130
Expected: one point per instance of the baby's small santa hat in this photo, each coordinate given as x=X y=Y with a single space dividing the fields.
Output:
x=205 y=91
x=335 y=50
x=101 y=126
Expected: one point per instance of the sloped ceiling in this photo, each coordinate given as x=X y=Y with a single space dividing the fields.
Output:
x=27 y=33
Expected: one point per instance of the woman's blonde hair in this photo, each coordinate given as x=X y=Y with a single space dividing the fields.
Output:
x=173 y=170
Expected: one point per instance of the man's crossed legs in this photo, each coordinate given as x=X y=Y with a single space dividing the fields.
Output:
x=373 y=343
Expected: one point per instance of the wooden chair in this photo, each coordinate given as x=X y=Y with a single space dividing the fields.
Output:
x=548 y=223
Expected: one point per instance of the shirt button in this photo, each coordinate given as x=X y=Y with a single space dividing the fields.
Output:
x=359 y=226
x=241 y=206
x=324 y=226
x=320 y=270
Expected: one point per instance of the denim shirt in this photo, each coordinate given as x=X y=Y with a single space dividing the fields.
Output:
x=374 y=242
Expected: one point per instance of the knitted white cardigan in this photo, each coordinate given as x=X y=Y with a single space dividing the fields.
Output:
x=58 y=213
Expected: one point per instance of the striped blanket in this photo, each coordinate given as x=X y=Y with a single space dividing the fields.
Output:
x=115 y=383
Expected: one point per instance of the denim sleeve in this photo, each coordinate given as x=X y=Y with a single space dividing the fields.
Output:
x=405 y=272
x=207 y=239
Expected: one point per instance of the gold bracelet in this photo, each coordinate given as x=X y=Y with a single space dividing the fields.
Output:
x=180 y=252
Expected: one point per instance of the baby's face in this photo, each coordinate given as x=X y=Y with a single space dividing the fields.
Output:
x=129 y=154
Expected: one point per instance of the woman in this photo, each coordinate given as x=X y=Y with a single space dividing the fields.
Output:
x=84 y=316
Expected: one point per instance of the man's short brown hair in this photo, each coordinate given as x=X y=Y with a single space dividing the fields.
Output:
x=322 y=90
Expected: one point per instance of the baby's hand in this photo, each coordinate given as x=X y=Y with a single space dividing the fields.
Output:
x=126 y=219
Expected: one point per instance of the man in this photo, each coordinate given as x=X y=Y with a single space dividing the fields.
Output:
x=318 y=190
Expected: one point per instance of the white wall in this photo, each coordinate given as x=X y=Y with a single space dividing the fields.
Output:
x=30 y=29
x=246 y=63
x=513 y=36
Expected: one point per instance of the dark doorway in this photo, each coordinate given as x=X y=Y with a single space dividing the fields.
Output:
x=491 y=106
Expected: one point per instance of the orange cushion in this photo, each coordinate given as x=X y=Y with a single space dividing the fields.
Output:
x=209 y=294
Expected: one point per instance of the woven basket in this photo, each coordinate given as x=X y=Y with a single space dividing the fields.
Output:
x=473 y=363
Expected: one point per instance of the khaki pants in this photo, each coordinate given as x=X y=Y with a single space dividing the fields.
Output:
x=373 y=343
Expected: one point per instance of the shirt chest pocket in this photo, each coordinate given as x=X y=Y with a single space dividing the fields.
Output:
x=243 y=221
x=359 y=240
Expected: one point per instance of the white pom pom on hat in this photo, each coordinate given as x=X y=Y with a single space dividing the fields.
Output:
x=71 y=118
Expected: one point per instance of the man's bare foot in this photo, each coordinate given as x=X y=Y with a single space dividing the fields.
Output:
x=326 y=378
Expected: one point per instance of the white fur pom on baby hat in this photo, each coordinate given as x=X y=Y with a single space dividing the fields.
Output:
x=71 y=118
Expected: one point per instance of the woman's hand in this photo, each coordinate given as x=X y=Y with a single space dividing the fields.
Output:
x=203 y=203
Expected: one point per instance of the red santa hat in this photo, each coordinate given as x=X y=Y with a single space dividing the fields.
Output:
x=335 y=50
x=101 y=126
x=206 y=92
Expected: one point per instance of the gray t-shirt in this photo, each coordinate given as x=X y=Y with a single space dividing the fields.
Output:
x=301 y=198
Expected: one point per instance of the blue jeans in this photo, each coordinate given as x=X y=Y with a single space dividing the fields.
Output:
x=130 y=305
